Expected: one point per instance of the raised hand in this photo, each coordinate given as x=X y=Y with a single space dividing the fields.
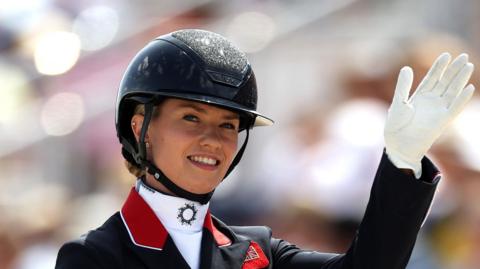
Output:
x=413 y=124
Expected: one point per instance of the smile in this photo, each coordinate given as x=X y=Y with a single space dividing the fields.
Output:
x=204 y=160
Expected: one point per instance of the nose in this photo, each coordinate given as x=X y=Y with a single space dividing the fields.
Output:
x=211 y=138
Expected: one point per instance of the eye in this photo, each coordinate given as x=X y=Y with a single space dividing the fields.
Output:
x=228 y=125
x=190 y=117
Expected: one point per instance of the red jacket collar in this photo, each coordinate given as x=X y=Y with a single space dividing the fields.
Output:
x=146 y=230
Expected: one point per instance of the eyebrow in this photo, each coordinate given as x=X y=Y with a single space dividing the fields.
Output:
x=230 y=116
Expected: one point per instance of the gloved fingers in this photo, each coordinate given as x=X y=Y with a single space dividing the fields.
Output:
x=435 y=73
x=404 y=84
x=461 y=100
x=458 y=83
x=452 y=70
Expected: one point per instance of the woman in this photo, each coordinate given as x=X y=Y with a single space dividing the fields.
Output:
x=182 y=102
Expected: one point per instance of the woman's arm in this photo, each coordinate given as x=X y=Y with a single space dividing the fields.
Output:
x=397 y=207
x=406 y=180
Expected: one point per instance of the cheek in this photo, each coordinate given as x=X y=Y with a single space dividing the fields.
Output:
x=231 y=146
x=169 y=147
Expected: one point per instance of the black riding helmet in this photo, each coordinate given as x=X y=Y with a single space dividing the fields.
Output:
x=189 y=64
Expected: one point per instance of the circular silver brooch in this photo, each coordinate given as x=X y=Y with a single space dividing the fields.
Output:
x=187 y=214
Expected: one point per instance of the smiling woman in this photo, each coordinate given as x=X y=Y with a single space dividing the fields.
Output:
x=181 y=105
x=194 y=143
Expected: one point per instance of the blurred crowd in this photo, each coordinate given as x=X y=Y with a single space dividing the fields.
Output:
x=326 y=71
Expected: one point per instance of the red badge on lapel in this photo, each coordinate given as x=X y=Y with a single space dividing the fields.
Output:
x=255 y=257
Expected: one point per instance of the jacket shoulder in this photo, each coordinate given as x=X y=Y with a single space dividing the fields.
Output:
x=259 y=234
x=253 y=231
x=96 y=249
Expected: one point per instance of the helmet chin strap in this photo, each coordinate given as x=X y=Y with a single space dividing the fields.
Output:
x=177 y=190
x=239 y=155
x=162 y=178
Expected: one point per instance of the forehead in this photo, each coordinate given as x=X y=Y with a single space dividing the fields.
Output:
x=174 y=103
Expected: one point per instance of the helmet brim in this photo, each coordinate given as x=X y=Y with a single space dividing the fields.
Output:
x=260 y=120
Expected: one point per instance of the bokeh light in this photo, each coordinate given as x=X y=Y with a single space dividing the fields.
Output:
x=96 y=26
x=56 y=52
x=360 y=122
x=62 y=114
x=15 y=91
x=468 y=134
x=251 y=31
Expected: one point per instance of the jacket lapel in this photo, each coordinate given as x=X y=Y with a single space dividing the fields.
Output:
x=213 y=256
x=149 y=239
x=222 y=248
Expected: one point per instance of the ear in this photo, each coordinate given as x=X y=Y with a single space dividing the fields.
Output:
x=136 y=124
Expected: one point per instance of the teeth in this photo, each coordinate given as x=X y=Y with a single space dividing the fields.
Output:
x=204 y=160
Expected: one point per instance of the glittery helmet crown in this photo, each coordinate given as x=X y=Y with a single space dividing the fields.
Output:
x=189 y=64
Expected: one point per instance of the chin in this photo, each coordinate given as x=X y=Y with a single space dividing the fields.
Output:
x=205 y=187
x=201 y=190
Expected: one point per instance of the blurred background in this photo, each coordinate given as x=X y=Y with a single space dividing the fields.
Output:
x=326 y=71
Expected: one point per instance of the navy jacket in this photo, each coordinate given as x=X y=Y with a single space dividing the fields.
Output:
x=135 y=238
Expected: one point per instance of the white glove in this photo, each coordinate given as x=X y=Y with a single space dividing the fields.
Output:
x=413 y=124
